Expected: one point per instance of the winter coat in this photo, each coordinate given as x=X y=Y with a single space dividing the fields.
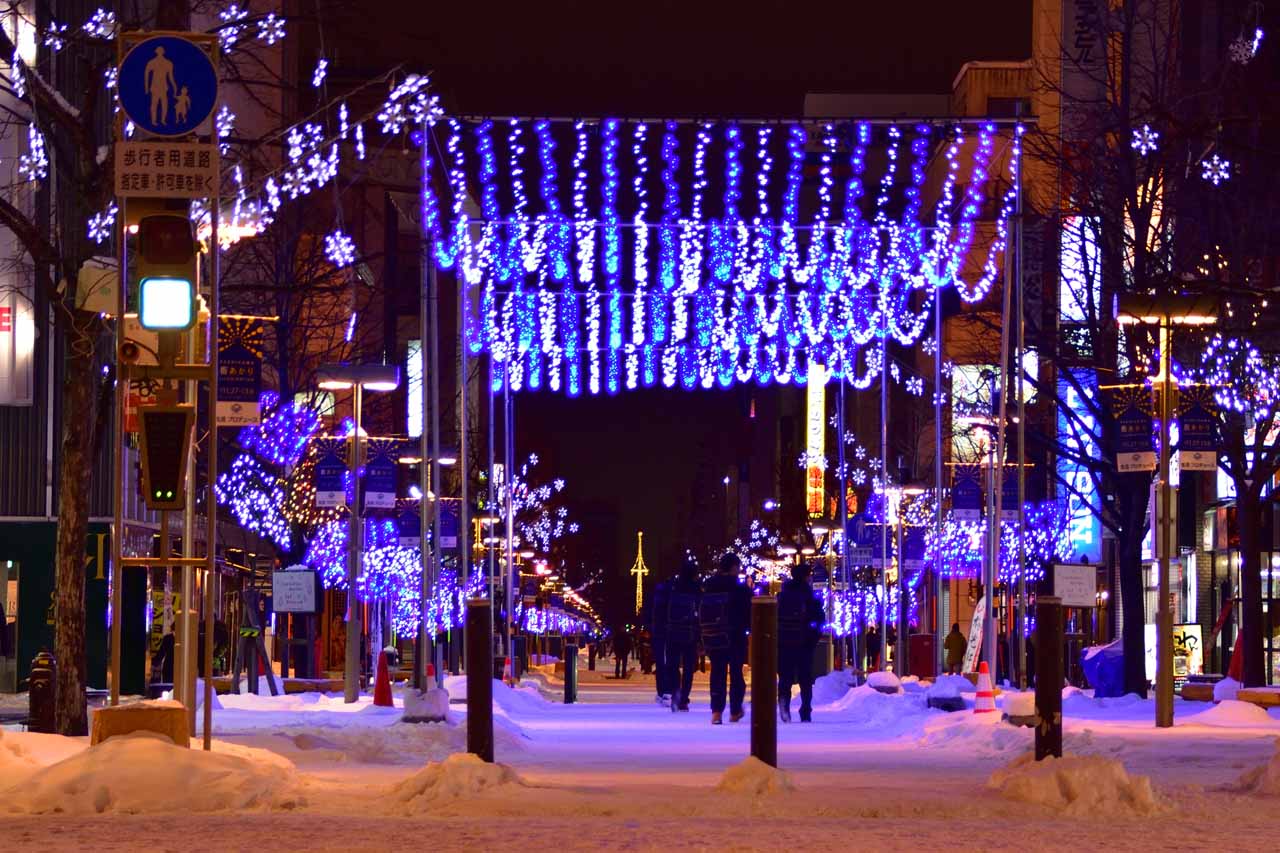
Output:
x=955 y=645
x=725 y=613
x=800 y=615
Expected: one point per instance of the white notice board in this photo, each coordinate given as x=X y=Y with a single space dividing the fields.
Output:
x=293 y=592
x=1076 y=584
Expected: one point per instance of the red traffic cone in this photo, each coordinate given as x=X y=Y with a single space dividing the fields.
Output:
x=506 y=670
x=382 y=686
x=431 y=670
x=985 y=702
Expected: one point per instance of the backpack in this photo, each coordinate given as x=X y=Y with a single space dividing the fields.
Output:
x=682 y=618
x=715 y=621
x=794 y=628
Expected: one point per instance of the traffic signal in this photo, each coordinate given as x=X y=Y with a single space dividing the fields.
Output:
x=165 y=438
x=166 y=266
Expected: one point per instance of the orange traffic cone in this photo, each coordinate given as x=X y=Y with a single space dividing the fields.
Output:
x=431 y=670
x=985 y=702
x=382 y=686
x=506 y=670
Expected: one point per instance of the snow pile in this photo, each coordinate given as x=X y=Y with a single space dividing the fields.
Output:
x=525 y=698
x=884 y=681
x=949 y=687
x=145 y=773
x=753 y=777
x=1231 y=713
x=832 y=686
x=889 y=714
x=1082 y=786
x=1265 y=779
x=1019 y=704
x=400 y=743
x=979 y=734
x=428 y=706
x=1225 y=689
x=912 y=684
x=460 y=775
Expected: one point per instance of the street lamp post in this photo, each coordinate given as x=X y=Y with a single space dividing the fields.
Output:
x=1165 y=312
x=359 y=378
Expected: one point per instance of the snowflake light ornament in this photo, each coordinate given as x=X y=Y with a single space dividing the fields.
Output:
x=271 y=28
x=1144 y=140
x=55 y=36
x=101 y=24
x=1215 y=170
x=317 y=76
x=339 y=249
x=1245 y=48
x=34 y=165
x=409 y=102
x=101 y=224
x=232 y=29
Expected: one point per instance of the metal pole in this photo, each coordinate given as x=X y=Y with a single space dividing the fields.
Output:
x=939 y=624
x=479 y=679
x=434 y=495
x=351 y=675
x=1164 y=614
x=426 y=269
x=117 y=455
x=1021 y=323
x=189 y=609
x=211 y=514
x=844 y=516
x=491 y=552
x=764 y=679
x=509 y=452
x=884 y=476
x=900 y=648
x=464 y=457
x=990 y=637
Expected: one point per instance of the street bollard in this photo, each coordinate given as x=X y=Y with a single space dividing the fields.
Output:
x=570 y=673
x=1048 y=677
x=479 y=642
x=41 y=715
x=764 y=679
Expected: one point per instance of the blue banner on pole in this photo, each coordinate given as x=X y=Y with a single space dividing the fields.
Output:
x=1009 y=493
x=1135 y=439
x=240 y=341
x=913 y=549
x=380 y=484
x=409 y=528
x=448 y=526
x=966 y=492
x=331 y=490
x=1197 y=430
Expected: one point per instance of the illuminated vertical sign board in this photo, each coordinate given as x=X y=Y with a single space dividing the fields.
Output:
x=1078 y=433
x=815 y=439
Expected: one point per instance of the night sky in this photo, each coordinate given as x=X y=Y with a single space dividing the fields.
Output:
x=636 y=461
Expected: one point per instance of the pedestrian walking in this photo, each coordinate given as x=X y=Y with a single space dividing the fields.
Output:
x=683 y=630
x=873 y=648
x=621 y=651
x=800 y=618
x=657 y=621
x=954 y=645
x=725 y=615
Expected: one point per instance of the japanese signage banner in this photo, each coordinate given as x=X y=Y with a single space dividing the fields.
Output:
x=1197 y=430
x=966 y=492
x=1135 y=444
x=331 y=473
x=409 y=528
x=166 y=169
x=380 y=474
x=240 y=341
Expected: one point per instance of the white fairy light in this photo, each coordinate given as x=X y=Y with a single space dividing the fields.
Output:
x=339 y=248
x=317 y=76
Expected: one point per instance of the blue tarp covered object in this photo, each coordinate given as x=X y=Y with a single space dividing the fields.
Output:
x=1104 y=668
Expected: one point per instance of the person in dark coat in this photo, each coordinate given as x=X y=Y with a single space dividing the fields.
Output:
x=725 y=615
x=873 y=648
x=657 y=621
x=683 y=630
x=800 y=619
x=955 y=645
x=621 y=651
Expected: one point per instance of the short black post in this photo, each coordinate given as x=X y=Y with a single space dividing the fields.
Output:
x=764 y=679
x=479 y=680
x=570 y=673
x=1048 y=677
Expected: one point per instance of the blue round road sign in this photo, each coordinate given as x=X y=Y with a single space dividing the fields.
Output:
x=168 y=86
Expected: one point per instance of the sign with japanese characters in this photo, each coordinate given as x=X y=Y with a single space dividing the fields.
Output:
x=330 y=473
x=966 y=492
x=166 y=169
x=1197 y=430
x=240 y=342
x=1135 y=443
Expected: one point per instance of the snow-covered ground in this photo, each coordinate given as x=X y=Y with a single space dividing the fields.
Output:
x=618 y=771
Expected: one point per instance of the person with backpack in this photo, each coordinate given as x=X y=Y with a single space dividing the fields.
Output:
x=725 y=615
x=800 y=619
x=656 y=619
x=621 y=650
x=683 y=600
